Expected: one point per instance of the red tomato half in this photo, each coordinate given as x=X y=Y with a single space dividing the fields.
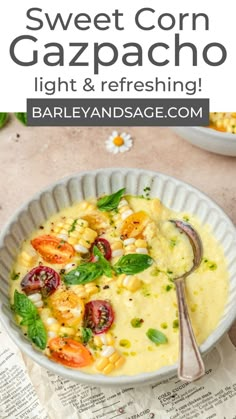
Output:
x=98 y=316
x=69 y=352
x=42 y=279
x=104 y=246
x=52 y=249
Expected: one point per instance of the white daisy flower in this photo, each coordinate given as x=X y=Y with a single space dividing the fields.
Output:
x=119 y=143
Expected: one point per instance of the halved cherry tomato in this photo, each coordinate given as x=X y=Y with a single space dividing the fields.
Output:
x=98 y=316
x=52 y=249
x=134 y=225
x=104 y=247
x=41 y=278
x=67 y=307
x=69 y=352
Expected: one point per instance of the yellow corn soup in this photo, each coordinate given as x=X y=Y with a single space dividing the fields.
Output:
x=132 y=325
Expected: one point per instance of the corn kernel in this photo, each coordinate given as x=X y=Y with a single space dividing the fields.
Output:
x=54 y=327
x=126 y=214
x=117 y=245
x=141 y=243
x=122 y=203
x=80 y=248
x=130 y=249
x=82 y=223
x=104 y=339
x=80 y=291
x=120 y=280
x=116 y=218
x=101 y=363
x=142 y=250
x=72 y=240
x=79 y=229
x=129 y=241
x=83 y=243
x=120 y=362
x=124 y=208
x=45 y=314
x=67 y=331
x=84 y=205
x=89 y=234
x=117 y=253
x=106 y=365
x=109 y=368
x=131 y=283
x=114 y=357
x=27 y=259
x=91 y=289
x=56 y=229
x=107 y=280
x=76 y=234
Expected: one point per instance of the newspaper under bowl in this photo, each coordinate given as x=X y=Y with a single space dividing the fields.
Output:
x=173 y=193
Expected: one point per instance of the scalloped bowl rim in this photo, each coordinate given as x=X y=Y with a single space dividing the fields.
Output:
x=99 y=379
x=213 y=133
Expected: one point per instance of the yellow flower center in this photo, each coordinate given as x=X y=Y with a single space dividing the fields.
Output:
x=118 y=141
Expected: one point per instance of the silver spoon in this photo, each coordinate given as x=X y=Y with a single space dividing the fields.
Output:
x=191 y=366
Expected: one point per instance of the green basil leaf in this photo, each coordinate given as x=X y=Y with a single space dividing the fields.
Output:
x=37 y=333
x=103 y=262
x=156 y=336
x=27 y=320
x=3 y=118
x=30 y=317
x=24 y=307
x=83 y=274
x=22 y=117
x=132 y=264
x=110 y=202
x=86 y=334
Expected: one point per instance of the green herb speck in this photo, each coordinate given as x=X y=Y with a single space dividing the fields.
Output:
x=125 y=343
x=175 y=324
x=173 y=243
x=73 y=226
x=136 y=322
x=15 y=275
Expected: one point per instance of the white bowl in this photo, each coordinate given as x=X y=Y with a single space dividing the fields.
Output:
x=173 y=193
x=209 y=139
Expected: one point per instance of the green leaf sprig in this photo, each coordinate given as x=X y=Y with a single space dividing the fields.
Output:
x=3 y=118
x=86 y=334
x=84 y=273
x=110 y=202
x=132 y=264
x=30 y=318
x=22 y=117
x=156 y=336
x=103 y=262
x=87 y=272
x=90 y=271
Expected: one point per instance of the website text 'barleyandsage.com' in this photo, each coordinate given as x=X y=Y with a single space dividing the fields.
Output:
x=103 y=112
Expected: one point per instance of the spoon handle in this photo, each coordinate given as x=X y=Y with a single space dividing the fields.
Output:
x=191 y=366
